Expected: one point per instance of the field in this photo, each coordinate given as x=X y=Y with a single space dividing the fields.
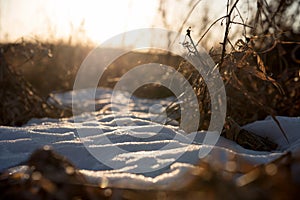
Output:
x=260 y=137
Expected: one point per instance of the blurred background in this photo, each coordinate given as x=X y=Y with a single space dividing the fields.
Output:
x=256 y=44
x=96 y=21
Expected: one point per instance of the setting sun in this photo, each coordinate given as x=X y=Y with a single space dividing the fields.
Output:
x=97 y=20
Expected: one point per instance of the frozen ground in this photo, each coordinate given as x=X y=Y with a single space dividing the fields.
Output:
x=134 y=150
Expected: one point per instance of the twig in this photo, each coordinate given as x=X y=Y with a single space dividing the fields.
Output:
x=186 y=18
x=240 y=15
x=228 y=22
x=192 y=42
x=207 y=30
x=238 y=23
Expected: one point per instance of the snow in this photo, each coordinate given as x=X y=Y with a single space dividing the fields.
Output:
x=135 y=151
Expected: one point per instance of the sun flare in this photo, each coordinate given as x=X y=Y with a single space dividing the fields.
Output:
x=96 y=20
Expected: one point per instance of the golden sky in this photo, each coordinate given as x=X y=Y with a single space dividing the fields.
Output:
x=99 y=20
x=59 y=18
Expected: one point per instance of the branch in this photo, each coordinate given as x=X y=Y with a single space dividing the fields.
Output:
x=209 y=29
x=228 y=22
x=186 y=18
x=239 y=23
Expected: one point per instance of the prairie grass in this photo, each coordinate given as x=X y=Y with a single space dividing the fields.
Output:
x=269 y=83
x=261 y=73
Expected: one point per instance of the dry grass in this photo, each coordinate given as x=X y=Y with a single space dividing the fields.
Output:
x=261 y=73
x=22 y=99
x=261 y=70
x=249 y=75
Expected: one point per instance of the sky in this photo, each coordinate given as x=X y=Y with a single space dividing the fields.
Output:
x=55 y=18
x=99 y=20
x=96 y=20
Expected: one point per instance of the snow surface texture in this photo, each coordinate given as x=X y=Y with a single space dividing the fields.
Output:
x=152 y=155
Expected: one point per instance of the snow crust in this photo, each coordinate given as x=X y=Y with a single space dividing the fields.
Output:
x=152 y=155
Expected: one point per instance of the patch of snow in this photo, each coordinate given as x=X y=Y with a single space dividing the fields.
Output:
x=161 y=153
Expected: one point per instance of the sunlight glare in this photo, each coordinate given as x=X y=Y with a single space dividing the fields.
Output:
x=52 y=19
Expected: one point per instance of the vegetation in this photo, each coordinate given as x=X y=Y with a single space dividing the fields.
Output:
x=261 y=72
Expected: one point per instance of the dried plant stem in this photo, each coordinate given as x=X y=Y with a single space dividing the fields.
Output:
x=228 y=22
